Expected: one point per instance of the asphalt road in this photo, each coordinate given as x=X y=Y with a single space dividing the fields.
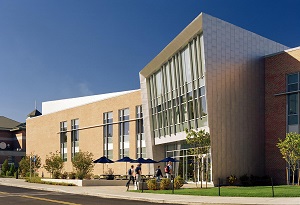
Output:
x=16 y=195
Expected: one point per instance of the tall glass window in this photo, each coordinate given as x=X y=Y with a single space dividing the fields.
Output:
x=63 y=140
x=124 y=132
x=177 y=92
x=293 y=109
x=75 y=137
x=140 y=137
x=108 y=134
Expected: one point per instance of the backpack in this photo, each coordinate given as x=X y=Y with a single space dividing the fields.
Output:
x=167 y=169
x=129 y=172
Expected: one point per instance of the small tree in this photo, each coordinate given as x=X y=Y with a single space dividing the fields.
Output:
x=54 y=164
x=12 y=170
x=24 y=164
x=290 y=150
x=5 y=167
x=83 y=164
x=201 y=145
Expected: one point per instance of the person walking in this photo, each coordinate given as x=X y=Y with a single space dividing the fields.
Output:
x=158 y=173
x=168 y=170
x=130 y=176
x=138 y=173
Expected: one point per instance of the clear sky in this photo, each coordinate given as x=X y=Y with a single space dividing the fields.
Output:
x=56 y=49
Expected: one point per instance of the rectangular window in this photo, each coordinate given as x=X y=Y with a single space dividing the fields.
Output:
x=63 y=140
x=140 y=137
x=292 y=84
x=293 y=107
x=75 y=137
x=124 y=132
x=108 y=134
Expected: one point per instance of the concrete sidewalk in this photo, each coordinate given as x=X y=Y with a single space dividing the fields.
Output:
x=121 y=192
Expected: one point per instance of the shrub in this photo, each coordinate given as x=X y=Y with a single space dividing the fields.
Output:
x=165 y=183
x=80 y=175
x=231 y=180
x=96 y=176
x=56 y=175
x=178 y=182
x=5 y=167
x=88 y=176
x=64 y=175
x=12 y=169
x=245 y=180
x=72 y=175
x=152 y=184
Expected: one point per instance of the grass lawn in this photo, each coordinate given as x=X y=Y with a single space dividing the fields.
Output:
x=258 y=191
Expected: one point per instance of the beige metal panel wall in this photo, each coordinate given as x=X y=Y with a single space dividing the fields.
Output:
x=235 y=96
x=43 y=131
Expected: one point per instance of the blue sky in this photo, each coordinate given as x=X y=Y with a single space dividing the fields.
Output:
x=52 y=49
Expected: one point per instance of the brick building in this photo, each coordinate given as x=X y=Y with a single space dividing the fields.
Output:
x=12 y=140
x=281 y=107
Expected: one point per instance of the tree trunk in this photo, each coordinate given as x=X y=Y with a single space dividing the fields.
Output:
x=206 y=173
x=298 y=176
x=287 y=176
x=194 y=172
x=293 y=177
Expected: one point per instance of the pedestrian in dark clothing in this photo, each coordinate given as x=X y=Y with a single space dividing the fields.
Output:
x=158 y=173
x=130 y=176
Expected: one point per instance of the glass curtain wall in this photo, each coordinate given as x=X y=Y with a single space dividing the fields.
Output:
x=124 y=132
x=63 y=140
x=74 y=137
x=108 y=134
x=140 y=136
x=177 y=92
x=188 y=163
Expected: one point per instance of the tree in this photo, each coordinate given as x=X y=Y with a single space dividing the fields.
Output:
x=24 y=164
x=54 y=164
x=5 y=167
x=290 y=150
x=200 y=142
x=83 y=164
x=12 y=170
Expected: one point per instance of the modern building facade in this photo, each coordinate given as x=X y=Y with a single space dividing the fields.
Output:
x=282 y=106
x=240 y=87
x=12 y=140
x=211 y=76
x=104 y=125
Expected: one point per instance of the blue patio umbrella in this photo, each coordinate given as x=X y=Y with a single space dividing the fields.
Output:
x=125 y=159
x=145 y=161
x=140 y=160
x=149 y=161
x=103 y=160
x=169 y=159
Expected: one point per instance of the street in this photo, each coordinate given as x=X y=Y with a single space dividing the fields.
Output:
x=16 y=195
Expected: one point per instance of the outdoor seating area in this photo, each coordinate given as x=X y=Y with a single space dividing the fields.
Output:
x=110 y=176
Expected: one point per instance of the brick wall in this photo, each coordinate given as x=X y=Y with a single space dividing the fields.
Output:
x=276 y=69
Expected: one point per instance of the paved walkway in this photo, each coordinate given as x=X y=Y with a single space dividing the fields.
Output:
x=120 y=192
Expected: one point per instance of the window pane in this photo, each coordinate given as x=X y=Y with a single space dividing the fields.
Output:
x=293 y=87
x=293 y=119
x=293 y=104
x=293 y=78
